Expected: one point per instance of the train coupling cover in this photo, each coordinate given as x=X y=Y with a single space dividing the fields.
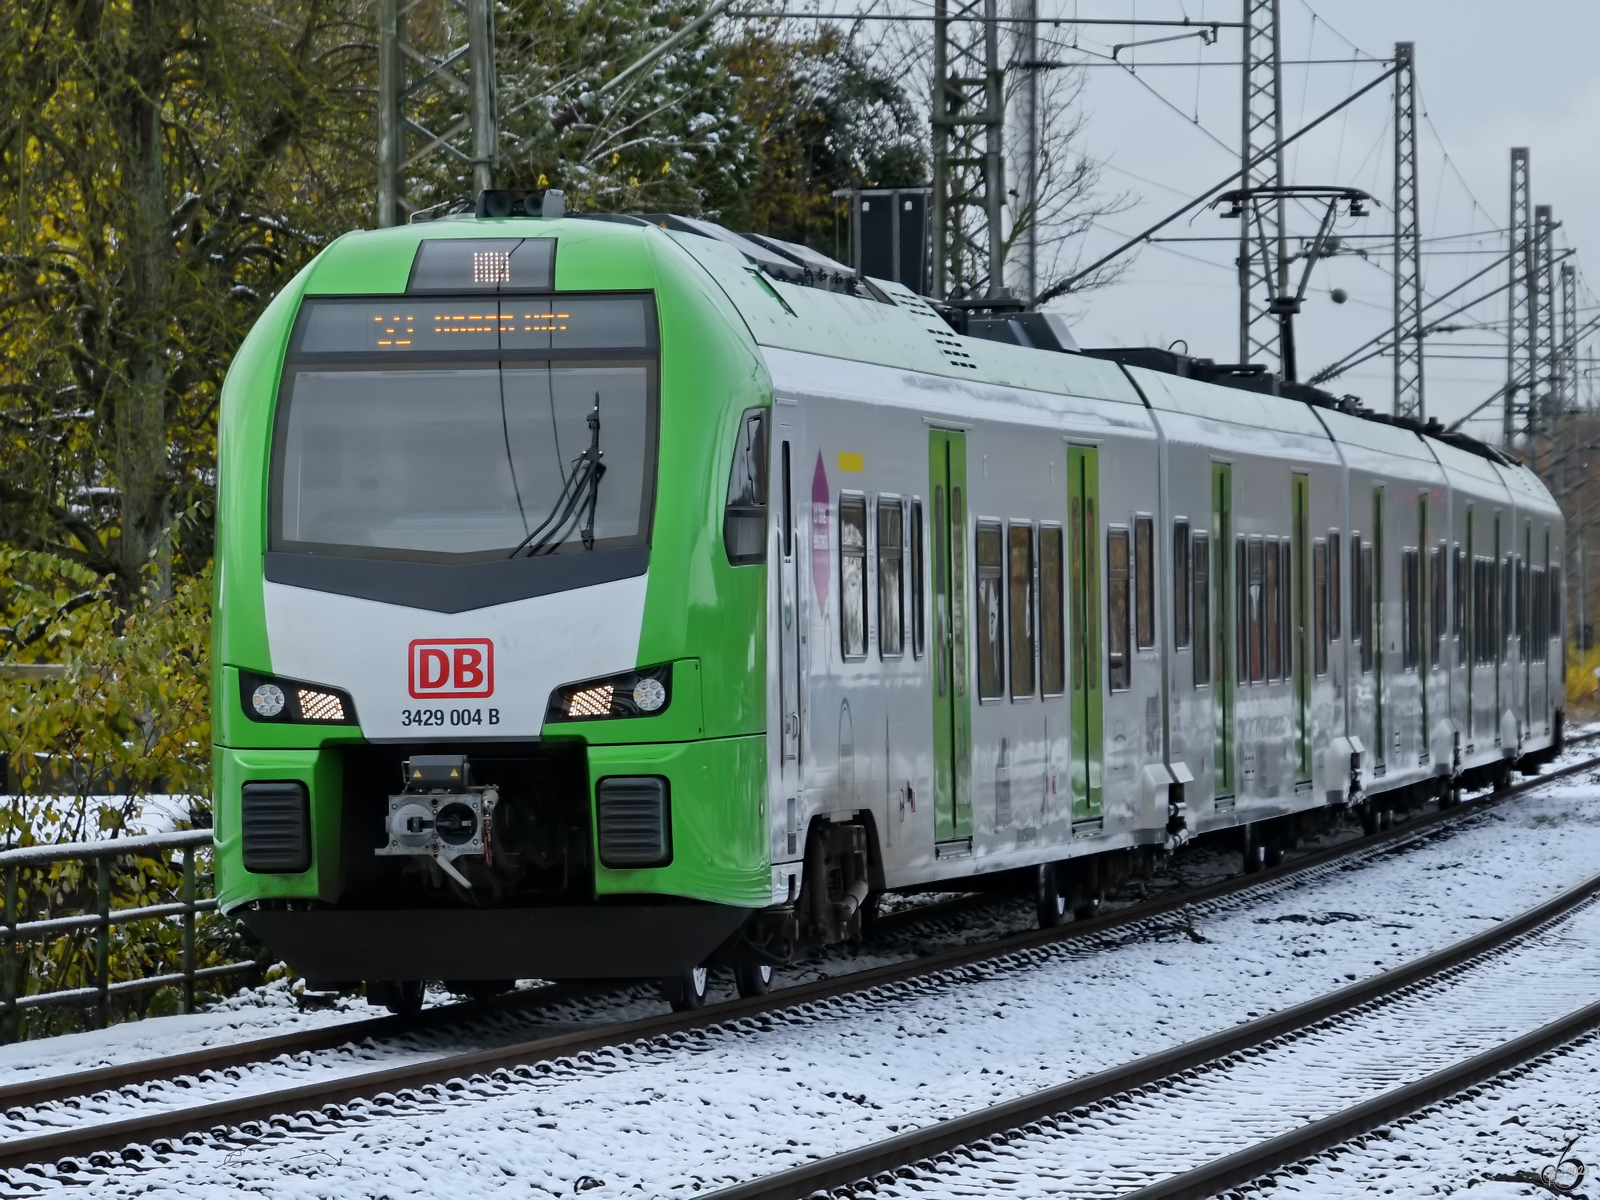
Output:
x=440 y=814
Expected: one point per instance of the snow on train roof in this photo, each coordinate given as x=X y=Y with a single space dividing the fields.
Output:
x=902 y=330
x=1195 y=398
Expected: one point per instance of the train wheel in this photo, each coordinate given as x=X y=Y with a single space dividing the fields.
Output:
x=1369 y=820
x=402 y=997
x=1255 y=851
x=479 y=989
x=686 y=992
x=1271 y=853
x=753 y=979
x=1050 y=900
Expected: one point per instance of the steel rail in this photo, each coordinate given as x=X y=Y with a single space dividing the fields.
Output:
x=79 y=1140
x=1276 y=1153
x=216 y=1058
x=908 y=1149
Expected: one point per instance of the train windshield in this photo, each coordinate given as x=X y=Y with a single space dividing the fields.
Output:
x=467 y=435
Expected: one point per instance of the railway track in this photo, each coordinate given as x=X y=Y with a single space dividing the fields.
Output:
x=106 y=1137
x=923 y=1157
x=442 y=1018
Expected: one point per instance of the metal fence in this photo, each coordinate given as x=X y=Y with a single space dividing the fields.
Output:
x=98 y=924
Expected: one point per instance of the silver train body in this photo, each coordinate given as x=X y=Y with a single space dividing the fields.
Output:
x=1384 y=617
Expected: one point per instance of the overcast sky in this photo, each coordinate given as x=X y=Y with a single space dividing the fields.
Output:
x=1491 y=76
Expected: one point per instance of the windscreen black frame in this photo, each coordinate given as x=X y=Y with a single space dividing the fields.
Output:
x=456 y=583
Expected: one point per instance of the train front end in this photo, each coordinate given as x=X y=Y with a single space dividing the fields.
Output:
x=487 y=699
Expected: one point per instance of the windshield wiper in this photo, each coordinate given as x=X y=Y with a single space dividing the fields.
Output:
x=580 y=492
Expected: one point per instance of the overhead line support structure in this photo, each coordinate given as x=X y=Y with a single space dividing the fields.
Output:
x=1408 y=303
x=412 y=81
x=1027 y=41
x=1544 y=395
x=1569 y=338
x=968 y=151
x=1145 y=235
x=1521 y=316
x=1261 y=148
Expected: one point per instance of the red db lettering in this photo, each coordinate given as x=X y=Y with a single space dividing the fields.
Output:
x=469 y=667
x=446 y=668
x=435 y=669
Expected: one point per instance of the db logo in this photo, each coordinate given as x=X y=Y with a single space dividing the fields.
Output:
x=445 y=668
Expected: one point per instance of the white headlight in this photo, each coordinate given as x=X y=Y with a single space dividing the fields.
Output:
x=649 y=695
x=267 y=700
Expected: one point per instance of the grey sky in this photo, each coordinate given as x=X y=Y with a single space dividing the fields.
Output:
x=1491 y=76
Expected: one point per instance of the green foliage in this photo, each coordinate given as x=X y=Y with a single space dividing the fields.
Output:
x=667 y=138
x=131 y=715
x=165 y=166
x=827 y=117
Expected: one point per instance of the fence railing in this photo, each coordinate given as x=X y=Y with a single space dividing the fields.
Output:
x=99 y=923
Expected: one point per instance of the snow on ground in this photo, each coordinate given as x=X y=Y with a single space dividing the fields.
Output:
x=1128 y=1142
x=696 y=1111
x=1512 y=1136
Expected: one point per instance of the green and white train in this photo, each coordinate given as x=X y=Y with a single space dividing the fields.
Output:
x=612 y=597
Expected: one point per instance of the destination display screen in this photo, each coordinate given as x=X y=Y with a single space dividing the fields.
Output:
x=400 y=326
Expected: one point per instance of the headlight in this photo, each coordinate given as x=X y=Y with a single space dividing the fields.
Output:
x=287 y=701
x=643 y=693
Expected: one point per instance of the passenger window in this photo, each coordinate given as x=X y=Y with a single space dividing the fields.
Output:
x=1117 y=570
x=1364 y=604
x=1052 y=637
x=1286 y=604
x=1241 y=609
x=1144 y=575
x=991 y=667
x=1410 y=609
x=1335 y=594
x=853 y=576
x=788 y=507
x=1200 y=557
x=1255 y=587
x=744 y=520
x=1273 y=607
x=1508 y=600
x=1439 y=614
x=1483 y=638
x=1553 y=583
x=1539 y=606
x=919 y=612
x=1524 y=633
x=1019 y=559
x=1180 y=585
x=891 y=578
x=1460 y=598
x=1319 y=607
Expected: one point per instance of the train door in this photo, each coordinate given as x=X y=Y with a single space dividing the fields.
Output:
x=789 y=631
x=1469 y=610
x=1083 y=599
x=952 y=703
x=1422 y=631
x=1543 y=628
x=1526 y=627
x=1380 y=753
x=1498 y=595
x=1301 y=650
x=1224 y=688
